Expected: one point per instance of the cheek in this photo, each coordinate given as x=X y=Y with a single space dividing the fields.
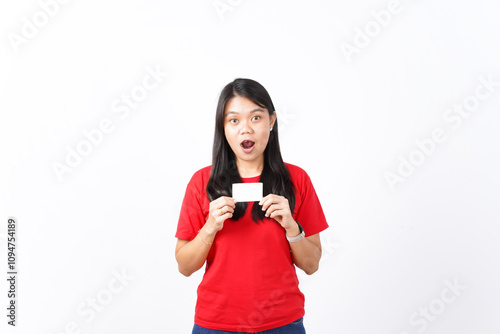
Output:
x=264 y=137
x=231 y=137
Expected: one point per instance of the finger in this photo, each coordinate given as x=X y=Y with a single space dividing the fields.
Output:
x=277 y=213
x=273 y=207
x=283 y=207
x=226 y=208
x=220 y=212
x=271 y=200
x=222 y=218
x=266 y=199
x=229 y=201
x=266 y=202
x=220 y=202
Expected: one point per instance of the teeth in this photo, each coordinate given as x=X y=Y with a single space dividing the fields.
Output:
x=247 y=144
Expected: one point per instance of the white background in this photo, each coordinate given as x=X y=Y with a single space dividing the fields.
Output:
x=347 y=121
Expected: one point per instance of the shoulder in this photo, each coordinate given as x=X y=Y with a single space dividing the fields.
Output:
x=298 y=176
x=296 y=172
x=200 y=178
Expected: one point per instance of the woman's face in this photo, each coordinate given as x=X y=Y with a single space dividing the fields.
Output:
x=247 y=128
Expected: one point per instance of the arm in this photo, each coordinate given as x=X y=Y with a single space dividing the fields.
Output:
x=191 y=255
x=306 y=253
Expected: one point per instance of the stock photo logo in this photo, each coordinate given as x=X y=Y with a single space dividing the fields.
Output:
x=263 y=310
x=31 y=27
x=363 y=37
x=91 y=306
x=222 y=7
x=284 y=117
x=454 y=116
x=420 y=320
x=92 y=138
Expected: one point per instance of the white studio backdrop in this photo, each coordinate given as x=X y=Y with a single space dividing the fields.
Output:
x=392 y=107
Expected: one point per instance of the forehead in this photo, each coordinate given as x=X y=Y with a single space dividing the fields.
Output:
x=241 y=105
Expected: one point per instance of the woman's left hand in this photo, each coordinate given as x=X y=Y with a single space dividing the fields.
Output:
x=277 y=207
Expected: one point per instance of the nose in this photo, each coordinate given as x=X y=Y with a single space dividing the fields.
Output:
x=245 y=127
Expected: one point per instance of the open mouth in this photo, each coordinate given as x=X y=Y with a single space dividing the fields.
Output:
x=247 y=145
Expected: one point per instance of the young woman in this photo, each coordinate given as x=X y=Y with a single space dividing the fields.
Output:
x=250 y=248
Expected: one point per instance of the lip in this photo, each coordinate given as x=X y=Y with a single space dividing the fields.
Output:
x=247 y=150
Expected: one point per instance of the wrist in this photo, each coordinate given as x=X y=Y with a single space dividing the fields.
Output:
x=206 y=237
x=298 y=236
x=208 y=232
x=293 y=230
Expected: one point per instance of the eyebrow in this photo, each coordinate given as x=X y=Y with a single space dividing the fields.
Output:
x=252 y=111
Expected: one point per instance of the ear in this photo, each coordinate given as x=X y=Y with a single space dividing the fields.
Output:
x=272 y=119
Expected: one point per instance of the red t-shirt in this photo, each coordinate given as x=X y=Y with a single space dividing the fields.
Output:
x=250 y=283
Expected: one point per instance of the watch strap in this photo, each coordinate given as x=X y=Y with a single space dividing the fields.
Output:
x=299 y=237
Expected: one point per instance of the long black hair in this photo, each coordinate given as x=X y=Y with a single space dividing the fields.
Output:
x=275 y=175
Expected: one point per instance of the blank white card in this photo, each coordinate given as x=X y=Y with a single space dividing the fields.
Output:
x=248 y=192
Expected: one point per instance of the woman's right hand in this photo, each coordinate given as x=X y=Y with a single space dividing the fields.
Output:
x=220 y=209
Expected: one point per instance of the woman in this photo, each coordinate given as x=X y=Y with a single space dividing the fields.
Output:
x=250 y=248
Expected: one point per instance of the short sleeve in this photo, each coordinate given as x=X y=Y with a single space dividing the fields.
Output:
x=309 y=212
x=191 y=217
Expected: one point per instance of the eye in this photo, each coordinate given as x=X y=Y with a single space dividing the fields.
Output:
x=233 y=120
x=256 y=118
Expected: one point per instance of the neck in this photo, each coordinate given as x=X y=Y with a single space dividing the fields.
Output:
x=250 y=168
